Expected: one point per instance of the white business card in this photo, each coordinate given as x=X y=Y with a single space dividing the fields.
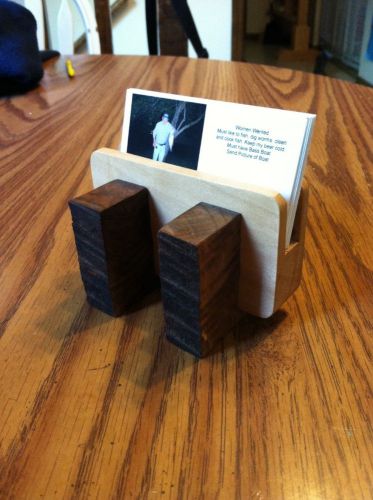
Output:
x=255 y=145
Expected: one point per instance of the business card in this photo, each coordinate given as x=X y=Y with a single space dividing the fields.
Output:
x=255 y=145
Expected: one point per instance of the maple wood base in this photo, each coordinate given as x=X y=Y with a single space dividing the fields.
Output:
x=266 y=260
x=114 y=244
x=199 y=254
x=204 y=263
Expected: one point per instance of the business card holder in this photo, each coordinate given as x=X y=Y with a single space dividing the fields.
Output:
x=269 y=272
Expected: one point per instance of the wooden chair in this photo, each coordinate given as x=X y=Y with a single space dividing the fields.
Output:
x=65 y=27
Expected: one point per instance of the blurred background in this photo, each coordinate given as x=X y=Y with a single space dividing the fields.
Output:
x=332 y=37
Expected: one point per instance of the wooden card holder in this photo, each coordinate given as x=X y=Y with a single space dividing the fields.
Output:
x=269 y=272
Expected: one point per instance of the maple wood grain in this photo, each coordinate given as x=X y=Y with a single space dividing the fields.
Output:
x=263 y=221
x=106 y=407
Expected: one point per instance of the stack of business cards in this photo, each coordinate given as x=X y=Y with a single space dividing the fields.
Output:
x=255 y=145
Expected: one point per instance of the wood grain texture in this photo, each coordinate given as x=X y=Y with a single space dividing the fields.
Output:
x=199 y=254
x=114 y=244
x=172 y=39
x=290 y=259
x=238 y=29
x=107 y=408
x=103 y=18
x=269 y=271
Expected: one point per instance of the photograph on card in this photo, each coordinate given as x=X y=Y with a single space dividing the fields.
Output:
x=167 y=130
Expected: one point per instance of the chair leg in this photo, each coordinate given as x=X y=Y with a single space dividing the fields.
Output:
x=103 y=17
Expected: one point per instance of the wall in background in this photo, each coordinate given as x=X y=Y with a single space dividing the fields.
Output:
x=214 y=22
x=129 y=29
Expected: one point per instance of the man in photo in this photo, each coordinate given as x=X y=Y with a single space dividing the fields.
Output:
x=163 y=138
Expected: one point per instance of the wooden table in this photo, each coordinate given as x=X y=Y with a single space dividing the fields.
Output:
x=98 y=407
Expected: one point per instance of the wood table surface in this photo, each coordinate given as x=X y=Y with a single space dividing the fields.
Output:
x=101 y=407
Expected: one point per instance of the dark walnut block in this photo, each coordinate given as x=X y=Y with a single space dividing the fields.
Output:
x=114 y=244
x=199 y=254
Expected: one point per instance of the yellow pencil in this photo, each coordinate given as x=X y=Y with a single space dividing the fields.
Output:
x=69 y=68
